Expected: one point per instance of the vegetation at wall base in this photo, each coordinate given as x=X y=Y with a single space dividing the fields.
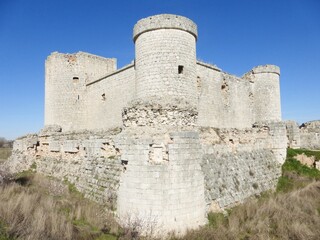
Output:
x=296 y=175
x=38 y=207
x=61 y=212
x=292 y=212
x=5 y=153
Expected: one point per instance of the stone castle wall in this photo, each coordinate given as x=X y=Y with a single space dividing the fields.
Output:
x=307 y=135
x=65 y=87
x=223 y=98
x=174 y=175
x=108 y=96
x=87 y=92
x=164 y=138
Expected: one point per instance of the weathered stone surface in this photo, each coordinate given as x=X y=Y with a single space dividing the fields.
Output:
x=166 y=137
x=305 y=160
x=306 y=136
x=310 y=135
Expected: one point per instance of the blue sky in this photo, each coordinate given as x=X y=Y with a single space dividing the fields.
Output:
x=235 y=35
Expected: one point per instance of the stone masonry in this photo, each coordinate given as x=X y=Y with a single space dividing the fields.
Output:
x=307 y=135
x=167 y=137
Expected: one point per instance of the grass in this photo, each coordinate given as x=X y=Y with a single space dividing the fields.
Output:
x=292 y=212
x=5 y=153
x=294 y=174
x=45 y=209
x=293 y=152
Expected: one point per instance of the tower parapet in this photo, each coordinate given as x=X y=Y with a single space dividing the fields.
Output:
x=164 y=21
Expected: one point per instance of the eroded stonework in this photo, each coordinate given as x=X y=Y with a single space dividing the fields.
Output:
x=166 y=137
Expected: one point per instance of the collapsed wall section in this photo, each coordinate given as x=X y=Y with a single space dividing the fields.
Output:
x=293 y=134
x=238 y=164
x=171 y=178
x=90 y=162
x=310 y=135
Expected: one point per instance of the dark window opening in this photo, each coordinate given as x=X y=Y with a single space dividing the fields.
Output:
x=75 y=79
x=103 y=97
x=78 y=97
x=180 y=69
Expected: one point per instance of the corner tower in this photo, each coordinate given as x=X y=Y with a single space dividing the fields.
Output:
x=266 y=92
x=65 y=87
x=165 y=50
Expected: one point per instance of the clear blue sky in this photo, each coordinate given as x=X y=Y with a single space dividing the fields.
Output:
x=235 y=35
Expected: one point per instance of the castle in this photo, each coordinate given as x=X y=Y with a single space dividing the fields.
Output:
x=84 y=91
x=166 y=137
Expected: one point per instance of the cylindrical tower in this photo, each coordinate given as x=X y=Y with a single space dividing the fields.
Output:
x=165 y=49
x=266 y=91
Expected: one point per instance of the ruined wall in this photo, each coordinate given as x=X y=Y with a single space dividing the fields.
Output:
x=166 y=174
x=107 y=97
x=165 y=138
x=307 y=135
x=293 y=134
x=238 y=164
x=310 y=135
x=91 y=161
x=65 y=87
x=223 y=98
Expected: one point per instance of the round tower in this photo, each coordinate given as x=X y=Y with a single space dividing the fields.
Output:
x=266 y=91
x=165 y=51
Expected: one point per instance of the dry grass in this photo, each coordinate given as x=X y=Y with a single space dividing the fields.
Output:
x=5 y=153
x=38 y=212
x=42 y=208
x=293 y=215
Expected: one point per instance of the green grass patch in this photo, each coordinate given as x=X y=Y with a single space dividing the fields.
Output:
x=293 y=165
x=296 y=175
x=5 y=153
x=216 y=219
x=294 y=152
x=3 y=232
x=106 y=237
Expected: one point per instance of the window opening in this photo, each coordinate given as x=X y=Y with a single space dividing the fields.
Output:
x=180 y=69
x=75 y=79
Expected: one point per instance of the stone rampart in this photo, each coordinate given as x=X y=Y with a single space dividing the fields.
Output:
x=307 y=135
x=168 y=175
x=166 y=138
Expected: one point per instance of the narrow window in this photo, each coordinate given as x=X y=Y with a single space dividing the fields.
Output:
x=75 y=79
x=180 y=69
